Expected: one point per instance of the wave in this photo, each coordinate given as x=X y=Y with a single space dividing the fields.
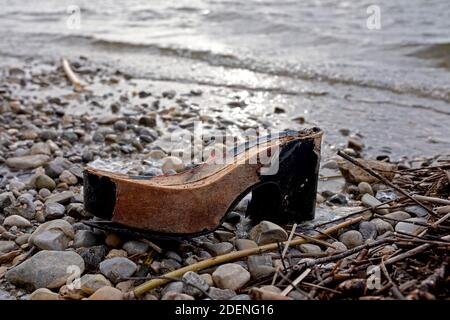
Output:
x=297 y=71
x=230 y=60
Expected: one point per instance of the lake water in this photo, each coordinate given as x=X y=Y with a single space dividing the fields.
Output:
x=315 y=58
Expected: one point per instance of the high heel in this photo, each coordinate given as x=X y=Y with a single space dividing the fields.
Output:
x=197 y=201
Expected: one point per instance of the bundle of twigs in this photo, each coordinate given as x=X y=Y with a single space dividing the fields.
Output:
x=416 y=268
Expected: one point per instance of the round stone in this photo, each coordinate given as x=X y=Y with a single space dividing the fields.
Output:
x=230 y=276
x=44 y=182
x=16 y=220
x=351 y=239
x=364 y=188
x=172 y=163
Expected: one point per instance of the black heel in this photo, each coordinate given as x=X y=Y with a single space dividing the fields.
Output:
x=289 y=196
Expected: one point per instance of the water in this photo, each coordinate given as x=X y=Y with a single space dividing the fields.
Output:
x=313 y=58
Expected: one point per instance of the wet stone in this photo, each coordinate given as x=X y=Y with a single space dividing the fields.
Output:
x=168 y=265
x=76 y=210
x=233 y=217
x=338 y=198
x=370 y=202
x=223 y=235
x=271 y=288
x=7 y=246
x=16 y=185
x=368 y=230
x=173 y=255
x=58 y=230
x=218 y=249
x=221 y=294
x=49 y=134
x=364 y=188
x=61 y=198
x=120 y=125
x=92 y=256
x=172 y=163
x=193 y=282
x=54 y=211
x=44 y=182
x=6 y=199
x=27 y=162
x=147 y=121
x=355 y=144
x=44 y=193
x=22 y=239
x=410 y=228
x=230 y=276
x=86 y=238
x=51 y=240
x=416 y=211
x=92 y=282
x=87 y=156
x=44 y=294
x=260 y=265
x=69 y=136
x=351 y=239
x=309 y=248
x=57 y=166
x=176 y=296
x=46 y=269
x=107 y=293
x=267 y=232
x=135 y=247
x=118 y=268
x=114 y=241
x=170 y=94
x=382 y=226
x=175 y=286
x=40 y=148
x=397 y=215
x=68 y=177
x=16 y=220
x=243 y=244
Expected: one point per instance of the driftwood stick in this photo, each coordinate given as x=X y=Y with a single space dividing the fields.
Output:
x=312 y=239
x=394 y=289
x=417 y=223
x=443 y=210
x=440 y=220
x=358 y=212
x=386 y=181
x=149 y=285
x=78 y=86
x=286 y=246
x=152 y=245
x=316 y=286
x=289 y=288
x=412 y=252
x=346 y=253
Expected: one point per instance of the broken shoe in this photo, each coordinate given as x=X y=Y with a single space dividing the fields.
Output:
x=280 y=170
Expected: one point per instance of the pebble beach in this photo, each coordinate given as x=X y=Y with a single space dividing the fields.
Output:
x=50 y=133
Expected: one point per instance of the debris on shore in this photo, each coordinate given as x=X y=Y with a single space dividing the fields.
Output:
x=387 y=236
